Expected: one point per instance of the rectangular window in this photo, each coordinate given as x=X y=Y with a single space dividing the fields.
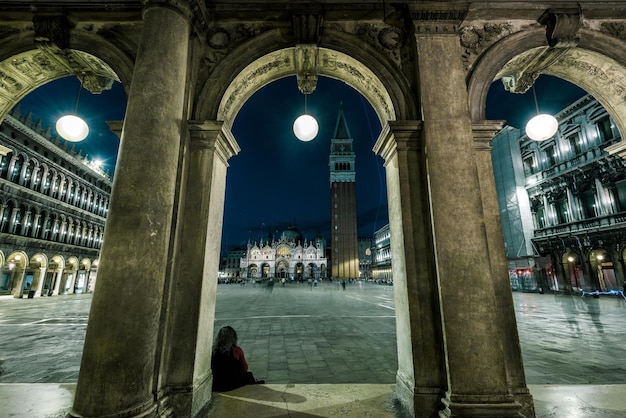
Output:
x=604 y=129
x=561 y=211
x=574 y=144
x=589 y=204
x=529 y=165
x=550 y=156
x=621 y=195
x=541 y=222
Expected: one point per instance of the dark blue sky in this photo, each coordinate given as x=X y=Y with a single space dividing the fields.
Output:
x=277 y=181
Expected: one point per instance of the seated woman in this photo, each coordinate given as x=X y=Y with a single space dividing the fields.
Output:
x=230 y=369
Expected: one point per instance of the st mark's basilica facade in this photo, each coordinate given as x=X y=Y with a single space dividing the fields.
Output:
x=286 y=258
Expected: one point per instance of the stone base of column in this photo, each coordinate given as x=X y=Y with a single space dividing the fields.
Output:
x=525 y=399
x=485 y=406
x=190 y=401
x=146 y=410
x=419 y=402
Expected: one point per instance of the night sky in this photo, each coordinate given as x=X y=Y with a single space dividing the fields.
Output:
x=277 y=181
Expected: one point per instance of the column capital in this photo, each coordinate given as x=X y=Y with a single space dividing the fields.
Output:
x=398 y=136
x=484 y=131
x=215 y=135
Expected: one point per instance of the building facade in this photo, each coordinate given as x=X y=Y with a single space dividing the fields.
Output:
x=53 y=209
x=381 y=256
x=563 y=203
x=343 y=224
x=288 y=257
x=230 y=265
x=365 y=258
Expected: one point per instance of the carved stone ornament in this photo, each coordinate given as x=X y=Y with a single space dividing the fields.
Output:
x=52 y=32
x=305 y=59
x=476 y=39
x=306 y=28
x=609 y=78
x=616 y=29
x=221 y=40
x=561 y=27
x=387 y=39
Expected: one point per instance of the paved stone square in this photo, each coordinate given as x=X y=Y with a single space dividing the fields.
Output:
x=298 y=334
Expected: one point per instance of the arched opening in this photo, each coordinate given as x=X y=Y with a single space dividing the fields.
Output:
x=552 y=261
x=277 y=183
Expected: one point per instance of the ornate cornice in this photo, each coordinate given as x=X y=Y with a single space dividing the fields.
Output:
x=484 y=131
x=213 y=135
x=398 y=136
x=437 y=21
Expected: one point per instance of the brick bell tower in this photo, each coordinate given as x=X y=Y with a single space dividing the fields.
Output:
x=343 y=229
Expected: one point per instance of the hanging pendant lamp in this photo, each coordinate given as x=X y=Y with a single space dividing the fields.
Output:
x=543 y=126
x=305 y=127
x=71 y=127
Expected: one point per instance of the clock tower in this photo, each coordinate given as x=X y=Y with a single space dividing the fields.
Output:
x=343 y=229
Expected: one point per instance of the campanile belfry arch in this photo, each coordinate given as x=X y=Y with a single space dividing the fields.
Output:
x=189 y=65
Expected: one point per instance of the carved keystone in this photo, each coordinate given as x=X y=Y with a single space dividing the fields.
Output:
x=561 y=27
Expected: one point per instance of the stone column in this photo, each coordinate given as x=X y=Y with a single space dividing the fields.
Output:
x=55 y=230
x=118 y=369
x=483 y=133
x=62 y=232
x=13 y=220
x=58 y=276
x=478 y=383
x=25 y=224
x=192 y=302
x=3 y=217
x=421 y=377
x=40 y=275
x=35 y=226
x=18 y=279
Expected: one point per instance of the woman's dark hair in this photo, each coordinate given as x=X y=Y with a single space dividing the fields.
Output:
x=225 y=340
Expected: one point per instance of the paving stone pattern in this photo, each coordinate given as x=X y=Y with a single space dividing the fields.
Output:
x=298 y=334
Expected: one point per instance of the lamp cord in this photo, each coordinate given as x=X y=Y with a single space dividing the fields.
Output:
x=82 y=80
x=305 y=112
x=535 y=96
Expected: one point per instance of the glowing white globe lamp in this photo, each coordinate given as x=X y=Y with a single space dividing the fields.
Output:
x=305 y=128
x=542 y=127
x=72 y=128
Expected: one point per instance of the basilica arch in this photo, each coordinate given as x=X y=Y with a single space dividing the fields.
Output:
x=188 y=66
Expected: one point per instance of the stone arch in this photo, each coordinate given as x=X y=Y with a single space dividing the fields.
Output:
x=268 y=57
x=279 y=64
x=597 y=64
x=16 y=264
x=29 y=67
